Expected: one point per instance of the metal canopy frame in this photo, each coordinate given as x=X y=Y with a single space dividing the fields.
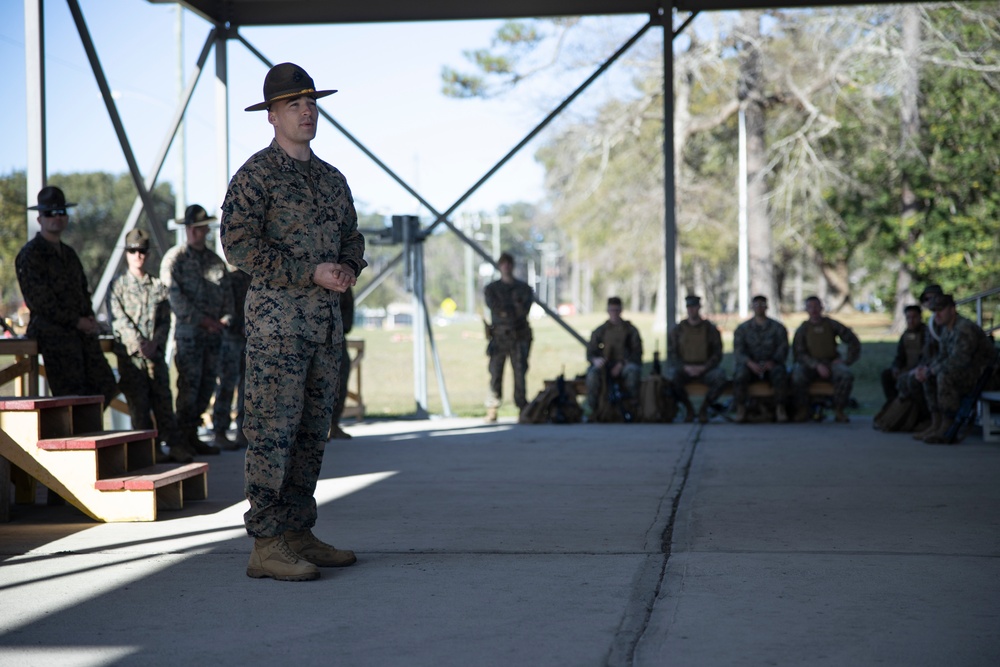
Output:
x=226 y=16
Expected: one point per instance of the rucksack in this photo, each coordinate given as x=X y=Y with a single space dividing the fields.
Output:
x=898 y=415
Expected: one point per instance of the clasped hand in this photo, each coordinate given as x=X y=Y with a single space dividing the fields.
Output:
x=333 y=276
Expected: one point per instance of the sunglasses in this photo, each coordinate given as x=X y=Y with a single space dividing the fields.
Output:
x=55 y=213
x=133 y=251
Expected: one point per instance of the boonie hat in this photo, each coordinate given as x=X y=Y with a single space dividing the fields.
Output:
x=51 y=198
x=286 y=81
x=195 y=216
x=137 y=240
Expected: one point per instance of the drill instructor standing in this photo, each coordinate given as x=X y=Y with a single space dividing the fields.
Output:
x=289 y=221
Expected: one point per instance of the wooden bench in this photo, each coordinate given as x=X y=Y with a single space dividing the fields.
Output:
x=356 y=407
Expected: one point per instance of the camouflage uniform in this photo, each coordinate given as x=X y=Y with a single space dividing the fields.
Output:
x=909 y=354
x=140 y=311
x=231 y=360
x=963 y=351
x=55 y=290
x=753 y=342
x=816 y=344
x=614 y=343
x=198 y=287
x=510 y=336
x=282 y=218
x=695 y=344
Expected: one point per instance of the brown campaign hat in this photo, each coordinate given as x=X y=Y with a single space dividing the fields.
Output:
x=137 y=240
x=51 y=198
x=286 y=81
x=195 y=216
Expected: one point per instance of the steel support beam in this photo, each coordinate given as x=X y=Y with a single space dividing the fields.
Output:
x=221 y=116
x=34 y=58
x=160 y=237
x=116 y=121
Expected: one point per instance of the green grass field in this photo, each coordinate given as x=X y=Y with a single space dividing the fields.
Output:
x=387 y=369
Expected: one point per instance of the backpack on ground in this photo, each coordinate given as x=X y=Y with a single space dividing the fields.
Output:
x=900 y=415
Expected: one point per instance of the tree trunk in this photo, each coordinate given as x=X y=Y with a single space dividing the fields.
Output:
x=837 y=276
x=909 y=109
x=751 y=94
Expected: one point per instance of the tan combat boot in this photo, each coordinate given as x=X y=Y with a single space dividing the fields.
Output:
x=306 y=546
x=741 y=414
x=840 y=416
x=933 y=428
x=272 y=557
x=491 y=415
x=780 y=414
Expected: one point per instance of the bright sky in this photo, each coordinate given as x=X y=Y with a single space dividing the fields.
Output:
x=388 y=76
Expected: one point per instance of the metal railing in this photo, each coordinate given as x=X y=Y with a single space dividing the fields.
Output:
x=978 y=298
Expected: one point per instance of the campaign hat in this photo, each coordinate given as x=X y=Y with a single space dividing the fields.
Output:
x=286 y=81
x=195 y=216
x=51 y=198
x=137 y=239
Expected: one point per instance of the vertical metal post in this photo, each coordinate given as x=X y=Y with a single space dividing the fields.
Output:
x=744 y=246
x=34 y=59
x=221 y=119
x=669 y=204
x=181 y=202
x=415 y=249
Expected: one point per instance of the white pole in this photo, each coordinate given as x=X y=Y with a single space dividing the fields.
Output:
x=744 y=252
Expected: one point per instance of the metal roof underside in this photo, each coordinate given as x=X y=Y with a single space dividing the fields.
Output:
x=301 y=12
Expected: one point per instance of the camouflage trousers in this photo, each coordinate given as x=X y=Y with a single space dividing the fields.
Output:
x=345 y=376
x=944 y=393
x=840 y=376
x=230 y=372
x=197 y=359
x=75 y=365
x=714 y=378
x=517 y=351
x=630 y=376
x=291 y=386
x=146 y=385
x=777 y=377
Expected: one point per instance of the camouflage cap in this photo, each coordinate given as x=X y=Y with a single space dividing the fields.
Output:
x=942 y=301
x=692 y=300
x=137 y=240
x=930 y=290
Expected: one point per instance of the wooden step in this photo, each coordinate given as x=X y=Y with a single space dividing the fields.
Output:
x=29 y=403
x=96 y=440
x=173 y=483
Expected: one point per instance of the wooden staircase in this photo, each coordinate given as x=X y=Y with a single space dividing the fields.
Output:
x=108 y=475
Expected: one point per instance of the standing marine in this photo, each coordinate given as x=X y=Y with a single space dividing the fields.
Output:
x=509 y=301
x=289 y=221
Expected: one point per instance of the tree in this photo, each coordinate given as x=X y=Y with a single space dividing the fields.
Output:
x=12 y=237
